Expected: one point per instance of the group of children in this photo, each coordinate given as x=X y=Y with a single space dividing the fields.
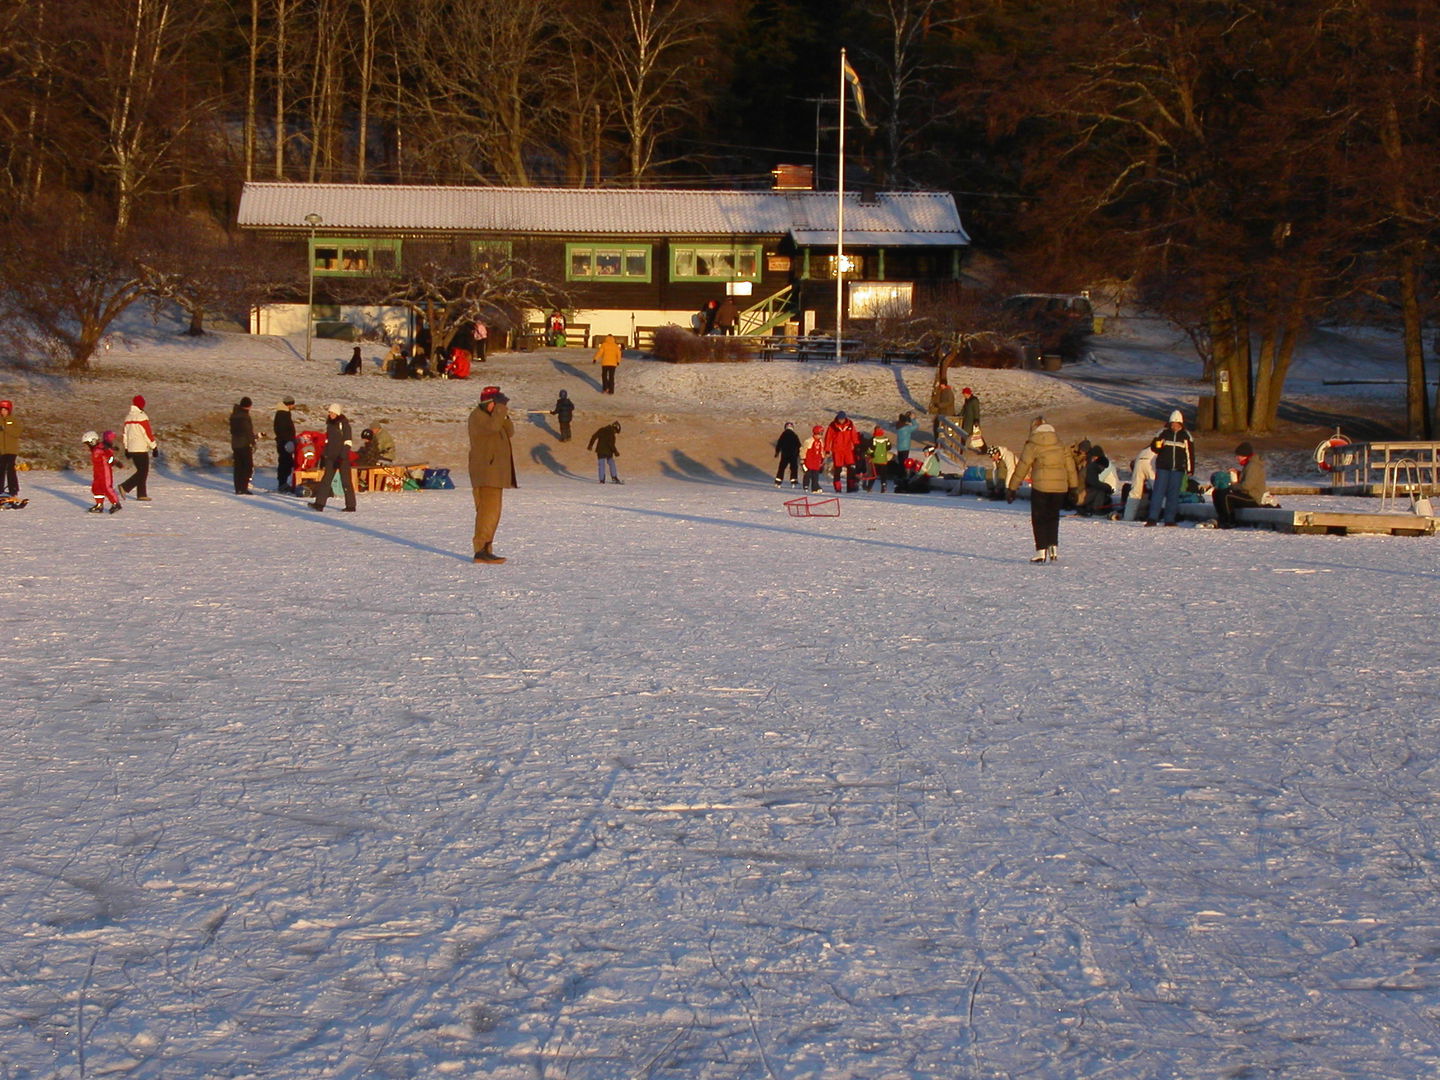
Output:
x=856 y=459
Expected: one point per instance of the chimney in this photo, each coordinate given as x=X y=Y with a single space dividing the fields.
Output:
x=793 y=177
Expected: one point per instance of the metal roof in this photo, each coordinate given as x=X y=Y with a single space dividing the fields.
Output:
x=891 y=219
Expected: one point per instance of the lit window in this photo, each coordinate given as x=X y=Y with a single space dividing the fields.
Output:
x=588 y=262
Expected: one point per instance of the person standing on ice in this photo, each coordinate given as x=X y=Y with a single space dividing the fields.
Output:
x=787 y=449
x=603 y=443
x=242 y=445
x=102 y=471
x=335 y=459
x=1051 y=468
x=813 y=455
x=139 y=441
x=492 y=467
x=841 y=440
x=1174 y=460
x=284 y=428
x=9 y=449
x=879 y=455
x=905 y=427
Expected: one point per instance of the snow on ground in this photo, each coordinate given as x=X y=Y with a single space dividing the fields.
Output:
x=694 y=788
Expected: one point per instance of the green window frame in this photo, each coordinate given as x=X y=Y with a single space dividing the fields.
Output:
x=608 y=262
x=717 y=262
x=345 y=257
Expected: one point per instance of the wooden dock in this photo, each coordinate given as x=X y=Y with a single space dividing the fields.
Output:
x=1336 y=523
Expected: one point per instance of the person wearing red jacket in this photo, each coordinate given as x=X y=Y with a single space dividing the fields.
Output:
x=814 y=458
x=102 y=471
x=841 y=439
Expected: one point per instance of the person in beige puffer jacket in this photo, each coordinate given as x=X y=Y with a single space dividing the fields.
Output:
x=1051 y=468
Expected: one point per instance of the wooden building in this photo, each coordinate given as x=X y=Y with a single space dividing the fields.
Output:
x=641 y=257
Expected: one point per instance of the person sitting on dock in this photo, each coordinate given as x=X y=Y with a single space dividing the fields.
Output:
x=1246 y=492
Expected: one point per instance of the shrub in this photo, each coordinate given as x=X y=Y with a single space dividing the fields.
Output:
x=676 y=345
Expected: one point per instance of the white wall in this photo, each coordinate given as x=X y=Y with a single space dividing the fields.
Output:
x=290 y=319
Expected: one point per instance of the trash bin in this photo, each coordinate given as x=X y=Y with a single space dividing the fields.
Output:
x=1051 y=362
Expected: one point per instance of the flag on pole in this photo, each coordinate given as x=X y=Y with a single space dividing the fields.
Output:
x=856 y=92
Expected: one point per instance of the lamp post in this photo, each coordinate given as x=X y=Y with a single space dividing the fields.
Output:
x=312 y=220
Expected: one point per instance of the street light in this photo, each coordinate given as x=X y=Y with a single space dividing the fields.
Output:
x=312 y=220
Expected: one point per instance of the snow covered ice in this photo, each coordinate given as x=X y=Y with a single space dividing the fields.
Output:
x=693 y=788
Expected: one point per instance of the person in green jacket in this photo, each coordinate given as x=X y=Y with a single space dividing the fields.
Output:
x=879 y=455
x=1247 y=491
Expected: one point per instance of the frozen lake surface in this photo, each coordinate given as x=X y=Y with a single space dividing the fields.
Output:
x=693 y=788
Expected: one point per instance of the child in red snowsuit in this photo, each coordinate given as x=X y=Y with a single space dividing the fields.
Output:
x=102 y=471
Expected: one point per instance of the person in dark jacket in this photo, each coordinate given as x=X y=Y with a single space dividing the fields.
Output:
x=603 y=443
x=787 y=449
x=284 y=427
x=1174 y=460
x=1097 y=495
x=1246 y=492
x=563 y=411
x=336 y=459
x=242 y=445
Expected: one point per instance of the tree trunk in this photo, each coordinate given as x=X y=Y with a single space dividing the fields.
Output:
x=1417 y=418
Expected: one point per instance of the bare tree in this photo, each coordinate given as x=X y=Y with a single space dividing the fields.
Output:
x=63 y=288
x=655 y=56
x=134 y=88
x=446 y=287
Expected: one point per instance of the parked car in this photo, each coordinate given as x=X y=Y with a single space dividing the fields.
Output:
x=1050 y=323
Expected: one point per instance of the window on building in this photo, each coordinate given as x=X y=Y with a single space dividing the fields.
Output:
x=881 y=299
x=354 y=257
x=711 y=262
x=823 y=267
x=606 y=262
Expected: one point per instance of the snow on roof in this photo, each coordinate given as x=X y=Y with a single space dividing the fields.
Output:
x=920 y=218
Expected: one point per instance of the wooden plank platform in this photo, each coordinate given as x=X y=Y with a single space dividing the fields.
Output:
x=1334 y=523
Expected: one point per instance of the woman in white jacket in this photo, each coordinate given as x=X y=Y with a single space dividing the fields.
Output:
x=139 y=442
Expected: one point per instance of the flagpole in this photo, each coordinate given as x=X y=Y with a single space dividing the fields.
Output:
x=840 y=220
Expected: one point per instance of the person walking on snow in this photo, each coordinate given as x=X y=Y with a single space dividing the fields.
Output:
x=102 y=471
x=335 y=458
x=139 y=441
x=603 y=443
x=841 y=440
x=563 y=411
x=492 y=467
x=608 y=354
x=787 y=449
x=1051 y=468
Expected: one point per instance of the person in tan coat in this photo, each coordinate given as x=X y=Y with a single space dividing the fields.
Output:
x=492 y=467
x=608 y=353
x=1051 y=468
